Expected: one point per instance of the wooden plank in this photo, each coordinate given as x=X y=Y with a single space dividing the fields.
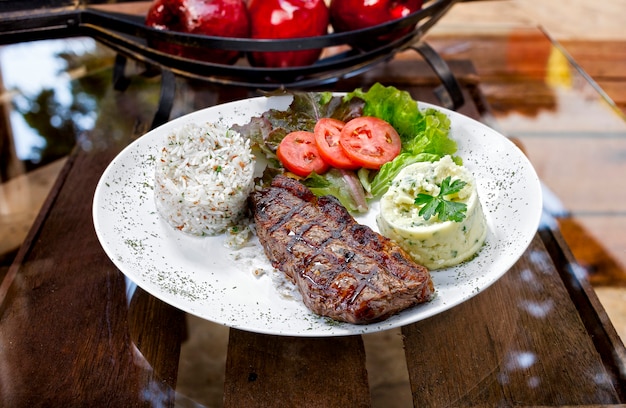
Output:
x=49 y=360
x=521 y=342
x=21 y=199
x=600 y=59
x=597 y=241
x=593 y=156
x=593 y=225
x=513 y=81
x=264 y=370
x=594 y=317
x=409 y=70
x=158 y=330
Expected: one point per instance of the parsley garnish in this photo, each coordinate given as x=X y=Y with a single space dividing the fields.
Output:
x=445 y=209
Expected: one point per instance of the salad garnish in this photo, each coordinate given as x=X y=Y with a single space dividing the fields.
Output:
x=424 y=136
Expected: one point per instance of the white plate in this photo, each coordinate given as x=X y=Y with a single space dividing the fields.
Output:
x=202 y=277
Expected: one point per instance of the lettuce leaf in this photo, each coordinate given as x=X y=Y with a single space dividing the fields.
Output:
x=343 y=184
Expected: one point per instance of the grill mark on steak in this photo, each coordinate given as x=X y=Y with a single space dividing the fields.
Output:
x=343 y=270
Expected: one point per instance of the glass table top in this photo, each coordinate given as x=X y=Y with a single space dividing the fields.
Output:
x=538 y=94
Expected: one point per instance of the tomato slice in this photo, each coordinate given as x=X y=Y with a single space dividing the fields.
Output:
x=299 y=154
x=327 y=132
x=370 y=142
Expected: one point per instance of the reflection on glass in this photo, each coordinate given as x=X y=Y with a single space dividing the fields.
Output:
x=56 y=88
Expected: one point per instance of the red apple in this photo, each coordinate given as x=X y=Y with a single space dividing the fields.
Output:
x=280 y=19
x=220 y=18
x=348 y=15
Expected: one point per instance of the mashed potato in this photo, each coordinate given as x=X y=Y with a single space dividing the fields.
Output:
x=432 y=243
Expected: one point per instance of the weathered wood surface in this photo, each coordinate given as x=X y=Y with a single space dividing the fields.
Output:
x=521 y=341
x=265 y=370
x=521 y=63
x=64 y=323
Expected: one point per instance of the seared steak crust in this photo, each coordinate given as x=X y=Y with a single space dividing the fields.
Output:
x=343 y=270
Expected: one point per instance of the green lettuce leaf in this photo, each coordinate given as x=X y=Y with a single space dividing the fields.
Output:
x=343 y=184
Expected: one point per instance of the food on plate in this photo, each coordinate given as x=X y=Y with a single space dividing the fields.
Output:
x=327 y=132
x=433 y=211
x=299 y=154
x=344 y=270
x=203 y=177
x=430 y=213
x=219 y=18
x=363 y=142
x=282 y=19
x=424 y=135
x=348 y=15
x=370 y=142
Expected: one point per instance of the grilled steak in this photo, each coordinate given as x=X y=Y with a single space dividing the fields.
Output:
x=344 y=270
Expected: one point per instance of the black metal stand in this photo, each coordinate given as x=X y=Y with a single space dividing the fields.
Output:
x=131 y=39
x=449 y=93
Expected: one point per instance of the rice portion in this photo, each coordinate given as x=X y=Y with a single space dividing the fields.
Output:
x=203 y=176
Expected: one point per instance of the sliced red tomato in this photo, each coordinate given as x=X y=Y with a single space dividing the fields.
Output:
x=299 y=154
x=370 y=142
x=327 y=132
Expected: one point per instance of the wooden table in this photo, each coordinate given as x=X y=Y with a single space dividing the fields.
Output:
x=70 y=335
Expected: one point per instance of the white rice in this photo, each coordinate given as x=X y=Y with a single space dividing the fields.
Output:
x=203 y=177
